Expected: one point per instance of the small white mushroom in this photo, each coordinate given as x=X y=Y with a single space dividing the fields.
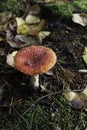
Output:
x=10 y=58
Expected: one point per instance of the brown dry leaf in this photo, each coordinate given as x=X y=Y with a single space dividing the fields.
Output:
x=19 y=41
x=26 y=40
x=10 y=38
x=76 y=100
x=18 y=32
x=4 y=20
x=80 y=18
x=4 y=17
x=35 y=29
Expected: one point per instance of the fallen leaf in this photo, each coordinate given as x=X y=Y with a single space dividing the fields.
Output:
x=10 y=38
x=85 y=91
x=4 y=20
x=76 y=100
x=19 y=41
x=35 y=29
x=43 y=34
x=23 y=41
x=80 y=18
x=5 y=16
x=31 y=19
x=85 y=55
x=22 y=27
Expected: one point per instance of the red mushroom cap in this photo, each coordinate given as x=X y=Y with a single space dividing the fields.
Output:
x=35 y=60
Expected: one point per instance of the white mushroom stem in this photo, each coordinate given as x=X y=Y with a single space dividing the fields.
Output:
x=35 y=81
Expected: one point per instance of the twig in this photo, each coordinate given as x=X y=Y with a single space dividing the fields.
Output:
x=11 y=105
x=21 y=116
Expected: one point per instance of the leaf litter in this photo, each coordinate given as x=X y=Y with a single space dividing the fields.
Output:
x=21 y=32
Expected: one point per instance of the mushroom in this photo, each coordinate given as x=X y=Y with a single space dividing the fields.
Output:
x=35 y=60
x=10 y=59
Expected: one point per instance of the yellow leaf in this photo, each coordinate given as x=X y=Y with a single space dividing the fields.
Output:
x=85 y=55
x=22 y=27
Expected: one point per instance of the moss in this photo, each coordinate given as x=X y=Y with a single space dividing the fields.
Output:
x=82 y=4
x=66 y=9
x=9 y=5
x=40 y=117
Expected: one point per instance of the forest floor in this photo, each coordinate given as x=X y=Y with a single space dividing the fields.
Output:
x=24 y=108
